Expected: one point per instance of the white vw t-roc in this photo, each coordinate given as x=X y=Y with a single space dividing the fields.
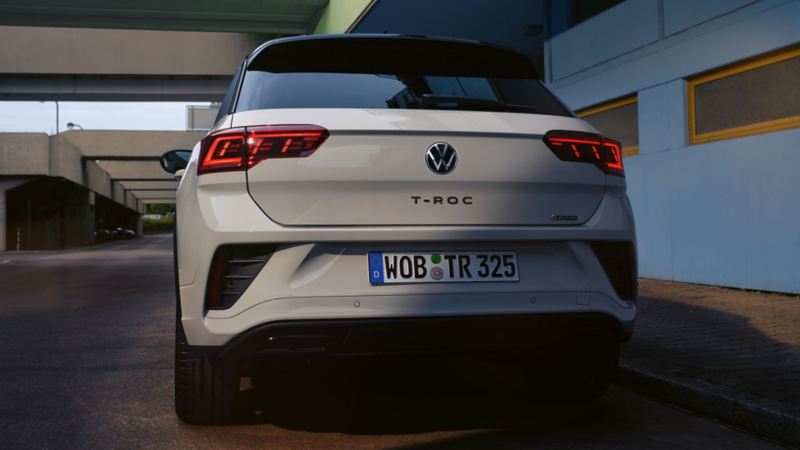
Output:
x=395 y=195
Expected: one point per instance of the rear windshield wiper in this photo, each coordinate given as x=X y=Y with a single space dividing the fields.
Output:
x=430 y=101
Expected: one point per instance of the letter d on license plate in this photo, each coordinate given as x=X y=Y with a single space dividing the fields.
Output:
x=442 y=267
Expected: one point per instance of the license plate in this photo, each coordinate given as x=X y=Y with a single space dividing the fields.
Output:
x=442 y=267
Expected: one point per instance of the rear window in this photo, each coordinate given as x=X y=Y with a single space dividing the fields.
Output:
x=394 y=73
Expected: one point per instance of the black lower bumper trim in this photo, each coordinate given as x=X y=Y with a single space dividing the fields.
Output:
x=493 y=335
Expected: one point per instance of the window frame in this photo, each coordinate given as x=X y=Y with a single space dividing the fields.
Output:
x=631 y=150
x=225 y=109
x=743 y=130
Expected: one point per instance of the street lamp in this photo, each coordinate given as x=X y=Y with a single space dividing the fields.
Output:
x=72 y=125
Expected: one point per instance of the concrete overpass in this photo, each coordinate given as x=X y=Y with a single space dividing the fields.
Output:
x=118 y=65
x=131 y=158
x=115 y=50
x=182 y=50
x=55 y=191
x=241 y=16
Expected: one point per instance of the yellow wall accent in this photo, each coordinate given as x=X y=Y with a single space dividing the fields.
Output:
x=632 y=150
x=744 y=130
x=606 y=106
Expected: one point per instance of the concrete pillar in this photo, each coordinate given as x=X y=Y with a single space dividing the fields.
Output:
x=91 y=219
x=2 y=220
x=139 y=226
x=7 y=183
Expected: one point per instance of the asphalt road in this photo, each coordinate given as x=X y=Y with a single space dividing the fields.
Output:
x=86 y=362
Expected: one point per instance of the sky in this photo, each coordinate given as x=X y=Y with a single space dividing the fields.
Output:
x=41 y=116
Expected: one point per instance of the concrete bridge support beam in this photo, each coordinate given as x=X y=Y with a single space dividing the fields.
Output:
x=7 y=183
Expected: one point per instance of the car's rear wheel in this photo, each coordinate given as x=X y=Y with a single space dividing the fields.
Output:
x=205 y=390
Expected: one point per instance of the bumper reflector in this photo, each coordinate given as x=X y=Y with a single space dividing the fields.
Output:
x=233 y=268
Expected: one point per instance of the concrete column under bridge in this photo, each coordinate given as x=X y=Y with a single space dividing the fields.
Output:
x=7 y=183
x=48 y=213
x=73 y=188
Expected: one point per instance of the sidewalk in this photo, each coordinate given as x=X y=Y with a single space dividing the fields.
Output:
x=727 y=353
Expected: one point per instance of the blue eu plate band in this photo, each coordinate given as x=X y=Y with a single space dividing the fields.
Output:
x=376 y=268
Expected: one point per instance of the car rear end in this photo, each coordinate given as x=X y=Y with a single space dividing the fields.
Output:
x=366 y=195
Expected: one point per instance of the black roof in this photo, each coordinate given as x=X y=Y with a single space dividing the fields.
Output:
x=371 y=52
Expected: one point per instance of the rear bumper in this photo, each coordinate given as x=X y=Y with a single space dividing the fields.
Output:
x=499 y=336
x=321 y=273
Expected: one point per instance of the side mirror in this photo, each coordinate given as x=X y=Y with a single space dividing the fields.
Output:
x=175 y=160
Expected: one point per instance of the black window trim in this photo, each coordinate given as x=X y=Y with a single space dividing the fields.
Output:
x=235 y=101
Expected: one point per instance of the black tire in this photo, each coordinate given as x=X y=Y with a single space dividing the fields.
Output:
x=205 y=390
x=580 y=372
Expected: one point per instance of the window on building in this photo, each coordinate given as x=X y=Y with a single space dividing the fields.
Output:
x=618 y=120
x=757 y=96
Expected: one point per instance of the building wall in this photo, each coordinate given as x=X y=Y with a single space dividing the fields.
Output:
x=65 y=160
x=97 y=179
x=744 y=32
x=131 y=142
x=722 y=212
x=24 y=154
x=49 y=195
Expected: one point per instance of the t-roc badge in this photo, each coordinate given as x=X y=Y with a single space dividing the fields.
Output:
x=441 y=158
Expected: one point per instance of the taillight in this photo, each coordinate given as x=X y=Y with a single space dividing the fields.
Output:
x=587 y=147
x=283 y=141
x=243 y=148
x=222 y=151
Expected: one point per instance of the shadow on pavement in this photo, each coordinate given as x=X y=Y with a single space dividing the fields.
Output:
x=402 y=396
x=86 y=362
x=738 y=339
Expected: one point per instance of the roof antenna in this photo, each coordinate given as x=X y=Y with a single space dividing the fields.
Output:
x=384 y=31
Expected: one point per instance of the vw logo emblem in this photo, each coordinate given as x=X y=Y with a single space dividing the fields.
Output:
x=441 y=158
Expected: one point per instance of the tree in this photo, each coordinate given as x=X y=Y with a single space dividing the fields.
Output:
x=160 y=208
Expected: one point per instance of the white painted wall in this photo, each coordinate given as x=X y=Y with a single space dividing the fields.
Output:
x=722 y=213
x=743 y=32
x=608 y=39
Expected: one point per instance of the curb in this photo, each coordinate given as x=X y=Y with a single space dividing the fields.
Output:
x=763 y=417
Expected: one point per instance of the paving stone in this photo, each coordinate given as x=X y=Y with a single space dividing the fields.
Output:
x=744 y=340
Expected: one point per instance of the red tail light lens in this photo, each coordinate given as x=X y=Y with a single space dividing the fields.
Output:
x=283 y=141
x=222 y=151
x=243 y=148
x=587 y=147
